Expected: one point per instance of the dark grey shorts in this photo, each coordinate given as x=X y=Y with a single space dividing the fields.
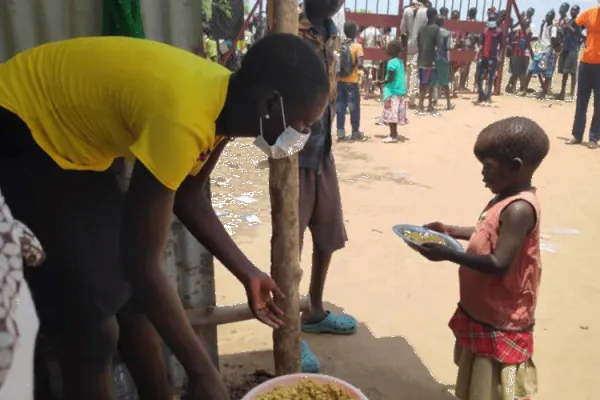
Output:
x=321 y=206
x=567 y=62
x=518 y=65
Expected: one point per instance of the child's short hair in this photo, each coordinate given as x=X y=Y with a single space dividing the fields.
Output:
x=394 y=48
x=514 y=137
x=432 y=14
x=350 y=29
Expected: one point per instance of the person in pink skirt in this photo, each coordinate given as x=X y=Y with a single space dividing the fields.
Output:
x=394 y=93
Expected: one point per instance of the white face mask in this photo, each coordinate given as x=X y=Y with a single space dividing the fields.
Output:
x=288 y=143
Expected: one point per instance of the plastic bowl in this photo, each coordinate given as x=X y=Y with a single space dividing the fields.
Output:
x=294 y=379
x=450 y=241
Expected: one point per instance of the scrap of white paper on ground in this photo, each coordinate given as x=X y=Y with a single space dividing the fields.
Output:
x=251 y=219
x=561 y=231
x=245 y=199
x=549 y=247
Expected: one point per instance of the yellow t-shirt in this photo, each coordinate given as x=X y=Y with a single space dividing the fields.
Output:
x=88 y=101
x=356 y=50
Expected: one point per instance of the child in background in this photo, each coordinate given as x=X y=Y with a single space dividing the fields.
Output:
x=500 y=271
x=429 y=41
x=441 y=72
x=394 y=92
x=348 y=81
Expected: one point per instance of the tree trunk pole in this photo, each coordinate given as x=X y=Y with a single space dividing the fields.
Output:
x=285 y=241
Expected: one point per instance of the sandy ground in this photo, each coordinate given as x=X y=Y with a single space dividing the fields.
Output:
x=404 y=347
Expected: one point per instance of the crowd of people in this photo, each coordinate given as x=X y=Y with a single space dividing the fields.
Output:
x=430 y=72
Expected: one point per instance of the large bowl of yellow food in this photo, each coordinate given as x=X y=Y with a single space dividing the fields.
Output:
x=305 y=387
x=415 y=236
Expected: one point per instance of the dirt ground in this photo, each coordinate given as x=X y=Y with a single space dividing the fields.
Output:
x=403 y=349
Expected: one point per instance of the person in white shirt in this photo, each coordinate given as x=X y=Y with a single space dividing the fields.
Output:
x=544 y=61
x=339 y=19
x=372 y=37
x=413 y=19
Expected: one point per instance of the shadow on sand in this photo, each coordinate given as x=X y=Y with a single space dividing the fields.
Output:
x=383 y=368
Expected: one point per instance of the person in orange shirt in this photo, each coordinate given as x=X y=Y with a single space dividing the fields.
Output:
x=588 y=79
x=67 y=110
x=348 y=90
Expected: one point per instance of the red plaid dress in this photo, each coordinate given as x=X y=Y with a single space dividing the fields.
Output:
x=507 y=347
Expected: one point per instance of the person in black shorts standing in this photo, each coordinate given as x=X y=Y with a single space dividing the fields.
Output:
x=572 y=36
x=429 y=41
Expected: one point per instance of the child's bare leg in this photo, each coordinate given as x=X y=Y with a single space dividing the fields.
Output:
x=422 y=92
x=525 y=86
x=446 y=90
x=140 y=347
x=573 y=84
x=394 y=131
x=430 y=92
x=87 y=350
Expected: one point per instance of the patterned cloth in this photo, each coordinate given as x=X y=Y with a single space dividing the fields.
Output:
x=395 y=110
x=507 y=347
x=326 y=45
x=17 y=245
x=425 y=76
x=543 y=64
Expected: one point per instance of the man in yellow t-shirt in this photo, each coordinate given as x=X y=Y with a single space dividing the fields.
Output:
x=67 y=110
x=348 y=83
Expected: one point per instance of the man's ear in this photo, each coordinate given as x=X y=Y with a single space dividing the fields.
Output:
x=267 y=103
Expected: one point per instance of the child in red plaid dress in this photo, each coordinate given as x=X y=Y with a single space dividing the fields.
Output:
x=500 y=271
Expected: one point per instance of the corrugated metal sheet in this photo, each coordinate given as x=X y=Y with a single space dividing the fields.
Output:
x=28 y=23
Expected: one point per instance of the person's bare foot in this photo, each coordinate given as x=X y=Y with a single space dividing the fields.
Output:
x=572 y=142
x=430 y=109
x=560 y=96
x=593 y=145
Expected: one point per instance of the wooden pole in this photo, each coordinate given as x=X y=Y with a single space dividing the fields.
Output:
x=285 y=242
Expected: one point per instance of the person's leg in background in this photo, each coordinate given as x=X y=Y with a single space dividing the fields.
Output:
x=329 y=235
x=354 y=105
x=341 y=104
x=562 y=65
x=573 y=84
x=479 y=72
x=595 y=125
x=584 y=91
x=492 y=68
x=413 y=79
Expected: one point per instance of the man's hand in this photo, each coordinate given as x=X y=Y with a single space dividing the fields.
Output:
x=261 y=291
